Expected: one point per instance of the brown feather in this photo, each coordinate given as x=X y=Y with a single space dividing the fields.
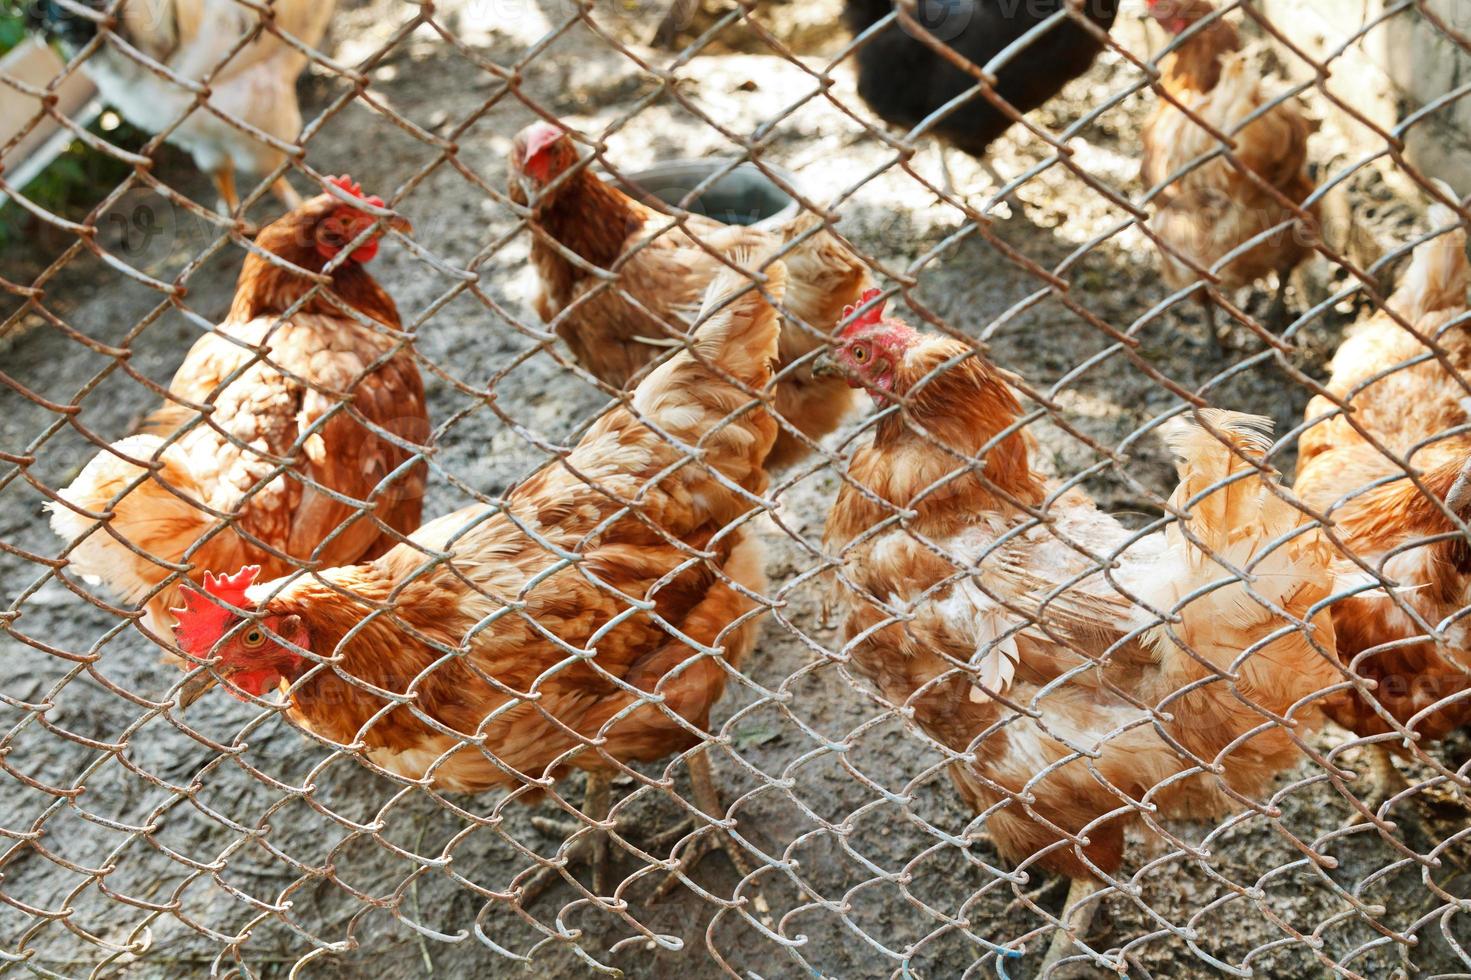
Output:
x=662 y=274
x=261 y=406
x=1211 y=210
x=1412 y=399
x=486 y=644
x=968 y=605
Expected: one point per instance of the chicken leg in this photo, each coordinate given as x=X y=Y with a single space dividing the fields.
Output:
x=224 y=180
x=1208 y=306
x=678 y=17
x=1384 y=781
x=1414 y=817
x=1076 y=918
x=947 y=179
x=1011 y=201
x=1276 y=320
x=707 y=799
x=592 y=846
x=285 y=193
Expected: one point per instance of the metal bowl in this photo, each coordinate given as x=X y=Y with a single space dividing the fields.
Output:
x=745 y=196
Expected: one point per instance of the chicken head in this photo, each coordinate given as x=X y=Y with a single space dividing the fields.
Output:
x=247 y=657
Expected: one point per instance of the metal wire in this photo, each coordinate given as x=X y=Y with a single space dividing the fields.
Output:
x=867 y=834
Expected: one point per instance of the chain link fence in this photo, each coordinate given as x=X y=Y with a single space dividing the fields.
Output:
x=939 y=681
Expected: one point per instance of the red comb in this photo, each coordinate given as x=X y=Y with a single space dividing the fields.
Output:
x=872 y=315
x=231 y=588
x=534 y=141
x=202 y=622
x=352 y=187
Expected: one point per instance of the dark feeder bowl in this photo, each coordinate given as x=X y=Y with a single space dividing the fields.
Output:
x=744 y=196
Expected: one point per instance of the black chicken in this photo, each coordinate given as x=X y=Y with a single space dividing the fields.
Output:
x=904 y=80
x=53 y=20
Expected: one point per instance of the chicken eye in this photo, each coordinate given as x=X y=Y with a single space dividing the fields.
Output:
x=860 y=354
x=253 y=637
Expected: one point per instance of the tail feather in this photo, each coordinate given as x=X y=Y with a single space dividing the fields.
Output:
x=1204 y=461
x=1242 y=525
x=151 y=517
x=697 y=395
x=1253 y=570
x=825 y=277
x=1439 y=273
x=736 y=329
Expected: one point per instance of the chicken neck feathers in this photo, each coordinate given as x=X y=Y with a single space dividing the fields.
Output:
x=617 y=329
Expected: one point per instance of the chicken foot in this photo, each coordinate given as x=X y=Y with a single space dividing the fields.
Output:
x=224 y=181
x=592 y=847
x=1076 y=918
x=1208 y=306
x=1415 y=817
x=1010 y=201
x=707 y=799
x=950 y=188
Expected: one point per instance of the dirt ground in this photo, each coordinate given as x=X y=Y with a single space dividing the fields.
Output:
x=108 y=870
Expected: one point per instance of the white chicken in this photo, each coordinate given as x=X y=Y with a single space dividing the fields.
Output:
x=240 y=57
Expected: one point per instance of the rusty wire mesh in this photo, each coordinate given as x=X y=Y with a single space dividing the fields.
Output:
x=138 y=839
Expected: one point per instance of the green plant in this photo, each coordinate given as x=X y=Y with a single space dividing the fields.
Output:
x=73 y=183
x=12 y=25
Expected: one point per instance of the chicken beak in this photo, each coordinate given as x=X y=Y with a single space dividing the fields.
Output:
x=529 y=189
x=194 y=688
x=824 y=366
x=401 y=225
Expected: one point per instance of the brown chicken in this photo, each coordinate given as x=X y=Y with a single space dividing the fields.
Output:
x=510 y=665
x=1207 y=213
x=615 y=329
x=215 y=498
x=201 y=40
x=1020 y=652
x=1390 y=524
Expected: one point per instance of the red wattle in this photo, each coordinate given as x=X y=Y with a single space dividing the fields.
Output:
x=255 y=682
x=365 y=253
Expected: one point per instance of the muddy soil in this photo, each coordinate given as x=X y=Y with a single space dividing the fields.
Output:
x=326 y=870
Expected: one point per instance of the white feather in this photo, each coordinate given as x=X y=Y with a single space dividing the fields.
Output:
x=997 y=653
